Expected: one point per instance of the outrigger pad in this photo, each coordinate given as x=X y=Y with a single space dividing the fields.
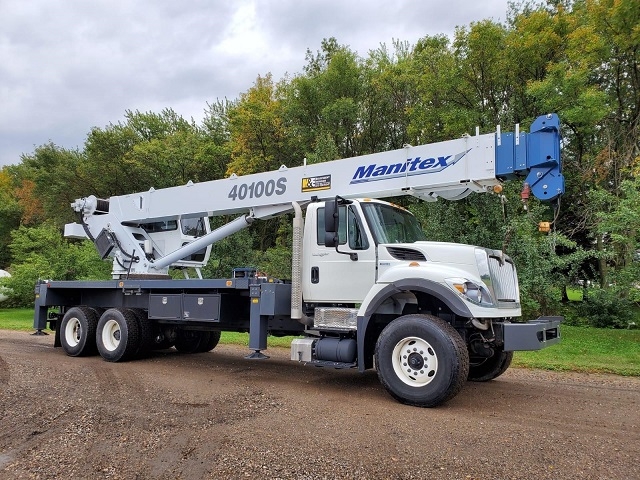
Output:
x=257 y=355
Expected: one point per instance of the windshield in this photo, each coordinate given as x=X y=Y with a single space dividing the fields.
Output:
x=391 y=224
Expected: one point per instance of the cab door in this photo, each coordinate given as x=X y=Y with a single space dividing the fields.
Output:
x=343 y=276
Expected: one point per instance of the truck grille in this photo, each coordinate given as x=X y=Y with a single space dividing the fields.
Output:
x=504 y=279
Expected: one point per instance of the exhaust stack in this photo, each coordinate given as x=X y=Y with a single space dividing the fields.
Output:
x=296 y=268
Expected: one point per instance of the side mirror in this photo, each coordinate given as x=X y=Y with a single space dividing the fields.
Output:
x=331 y=223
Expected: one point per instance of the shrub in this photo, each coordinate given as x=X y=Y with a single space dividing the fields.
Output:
x=606 y=307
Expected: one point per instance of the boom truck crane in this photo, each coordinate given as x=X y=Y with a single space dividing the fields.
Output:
x=367 y=288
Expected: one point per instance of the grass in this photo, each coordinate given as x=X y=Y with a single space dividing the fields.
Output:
x=575 y=294
x=582 y=349
x=235 y=338
x=16 y=319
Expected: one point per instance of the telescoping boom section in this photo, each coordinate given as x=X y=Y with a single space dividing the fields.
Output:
x=367 y=289
x=163 y=221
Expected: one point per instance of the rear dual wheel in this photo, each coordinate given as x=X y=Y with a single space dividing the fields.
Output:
x=78 y=331
x=146 y=332
x=212 y=342
x=118 y=335
x=121 y=334
x=195 y=341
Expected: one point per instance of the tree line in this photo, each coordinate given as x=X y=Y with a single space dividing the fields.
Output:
x=577 y=58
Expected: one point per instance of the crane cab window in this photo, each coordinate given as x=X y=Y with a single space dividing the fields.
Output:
x=350 y=229
x=193 y=226
x=156 y=227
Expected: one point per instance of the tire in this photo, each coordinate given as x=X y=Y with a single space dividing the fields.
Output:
x=145 y=328
x=485 y=369
x=78 y=331
x=190 y=341
x=421 y=360
x=118 y=335
x=164 y=338
x=97 y=311
x=163 y=344
x=210 y=343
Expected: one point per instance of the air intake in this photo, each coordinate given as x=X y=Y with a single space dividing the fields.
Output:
x=407 y=254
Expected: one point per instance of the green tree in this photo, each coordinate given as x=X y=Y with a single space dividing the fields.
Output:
x=535 y=40
x=619 y=222
x=9 y=216
x=434 y=116
x=593 y=85
x=41 y=253
x=484 y=91
x=57 y=181
x=258 y=136
x=107 y=171
x=325 y=101
x=149 y=150
x=388 y=93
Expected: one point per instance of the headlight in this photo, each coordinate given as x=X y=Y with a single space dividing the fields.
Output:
x=475 y=293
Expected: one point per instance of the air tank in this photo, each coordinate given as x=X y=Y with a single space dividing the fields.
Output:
x=336 y=350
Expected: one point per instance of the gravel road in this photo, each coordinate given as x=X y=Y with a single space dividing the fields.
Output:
x=216 y=415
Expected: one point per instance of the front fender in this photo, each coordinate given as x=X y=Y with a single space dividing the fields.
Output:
x=380 y=292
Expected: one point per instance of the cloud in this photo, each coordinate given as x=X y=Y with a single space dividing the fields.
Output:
x=69 y=65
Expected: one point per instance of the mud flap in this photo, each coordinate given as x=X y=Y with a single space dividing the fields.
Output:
x=532 y=335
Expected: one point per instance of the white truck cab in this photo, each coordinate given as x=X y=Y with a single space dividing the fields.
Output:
x=380 y=243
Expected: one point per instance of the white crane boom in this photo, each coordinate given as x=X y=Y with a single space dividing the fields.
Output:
x=127 y=226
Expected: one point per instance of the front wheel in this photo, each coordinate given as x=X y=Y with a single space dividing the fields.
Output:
x=485 y=369
x=421 y=360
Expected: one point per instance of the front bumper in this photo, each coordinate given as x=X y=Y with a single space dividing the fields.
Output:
x=532 y=335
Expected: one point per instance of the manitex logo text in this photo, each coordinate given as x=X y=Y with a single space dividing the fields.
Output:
x=413 y=166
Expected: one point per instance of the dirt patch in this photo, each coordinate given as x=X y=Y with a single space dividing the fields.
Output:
x=216 y=415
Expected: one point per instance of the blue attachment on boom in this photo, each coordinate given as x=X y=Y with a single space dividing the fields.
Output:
x=536 y=155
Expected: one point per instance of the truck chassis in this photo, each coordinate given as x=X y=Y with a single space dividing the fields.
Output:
x=126 y=319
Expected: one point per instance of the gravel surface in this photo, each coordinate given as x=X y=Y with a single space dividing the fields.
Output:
x=216 y=415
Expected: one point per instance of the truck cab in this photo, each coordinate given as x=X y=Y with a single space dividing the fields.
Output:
x=379 y=244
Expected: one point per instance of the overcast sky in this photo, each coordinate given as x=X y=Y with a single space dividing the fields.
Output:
x=69 y=65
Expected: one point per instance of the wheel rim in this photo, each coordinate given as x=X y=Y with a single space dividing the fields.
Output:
x=415 y=361
x=111 y=335
x=73 y=332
